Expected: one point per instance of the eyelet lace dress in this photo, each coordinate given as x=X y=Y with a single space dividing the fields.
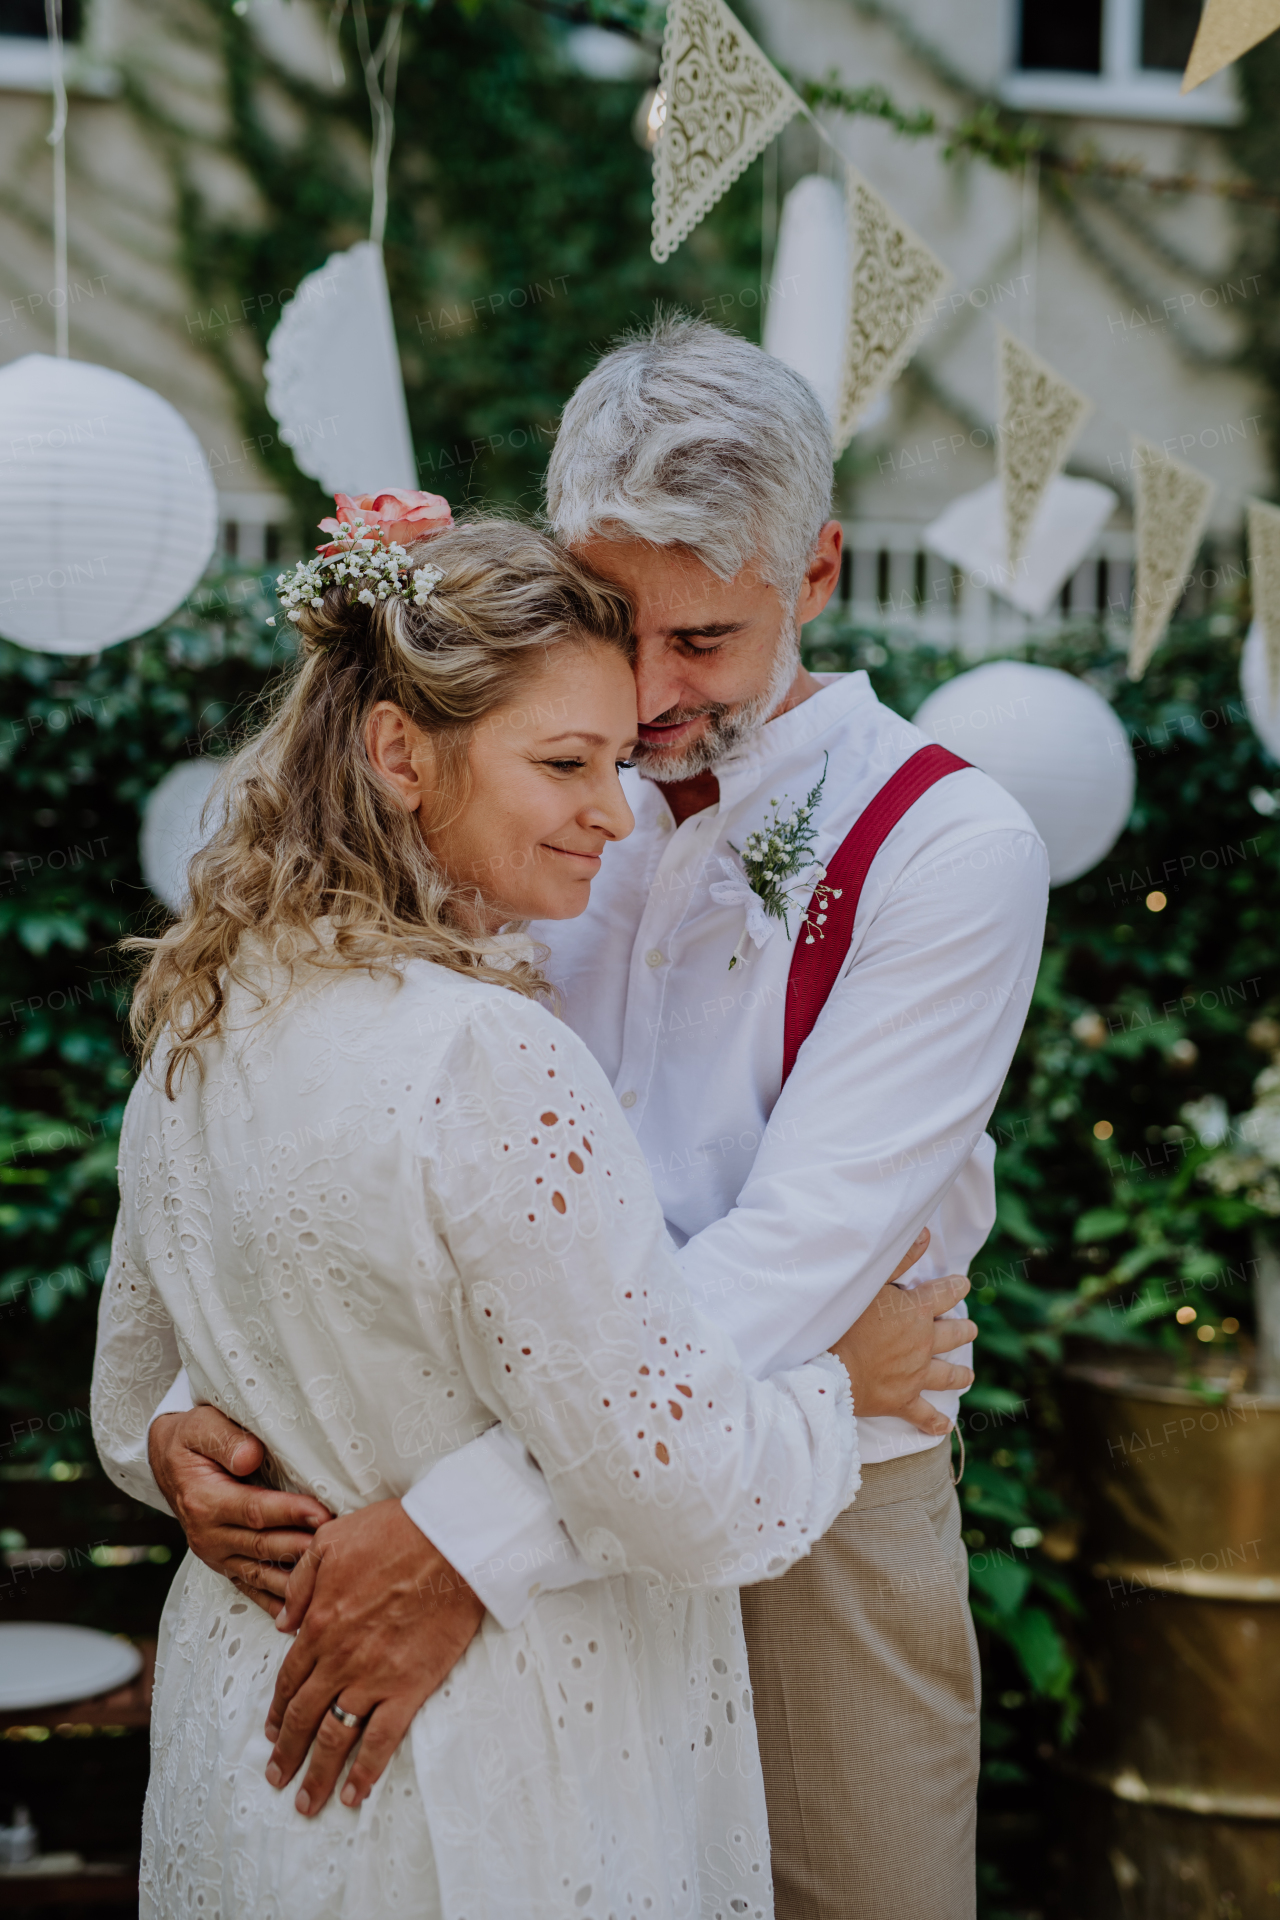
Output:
x=386 y=1216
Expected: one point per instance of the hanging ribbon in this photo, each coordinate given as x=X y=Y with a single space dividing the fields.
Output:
x=57 y=138
x=337 y=335
x=380 y=65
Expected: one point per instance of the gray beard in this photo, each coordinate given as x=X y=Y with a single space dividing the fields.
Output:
x=728 y=727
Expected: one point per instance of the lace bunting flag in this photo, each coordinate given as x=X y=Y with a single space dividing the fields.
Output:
x=725 y=101
x=895 y=282
x=1040 y=415
x=1264 y=583
x=1227 y=29
x=1171 y=508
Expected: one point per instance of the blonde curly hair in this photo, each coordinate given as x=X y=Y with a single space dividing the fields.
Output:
x=310 y=831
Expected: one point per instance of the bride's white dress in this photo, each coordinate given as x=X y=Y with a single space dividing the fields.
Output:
x=382 y=1219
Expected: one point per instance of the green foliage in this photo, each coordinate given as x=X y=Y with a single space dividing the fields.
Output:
x=81 y=746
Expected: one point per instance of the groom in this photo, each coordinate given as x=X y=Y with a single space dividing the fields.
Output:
x=695 y=471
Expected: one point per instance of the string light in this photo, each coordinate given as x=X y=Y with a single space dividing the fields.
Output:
x=650 y=118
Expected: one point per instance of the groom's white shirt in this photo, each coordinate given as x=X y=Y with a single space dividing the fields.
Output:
x=791 y=1208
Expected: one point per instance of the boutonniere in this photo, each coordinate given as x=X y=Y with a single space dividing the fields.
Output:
x=778 y=873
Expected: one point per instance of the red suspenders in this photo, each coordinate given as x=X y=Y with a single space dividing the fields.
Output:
x=815 y=968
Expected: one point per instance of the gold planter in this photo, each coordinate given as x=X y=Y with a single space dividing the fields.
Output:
x=1180 y=1743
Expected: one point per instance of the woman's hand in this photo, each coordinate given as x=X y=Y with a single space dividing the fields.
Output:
x=252 y=1534
x=891 y=1352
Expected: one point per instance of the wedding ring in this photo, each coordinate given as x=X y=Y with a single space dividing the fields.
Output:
x=347 y=1719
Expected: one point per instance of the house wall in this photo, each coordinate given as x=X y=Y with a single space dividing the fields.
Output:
x=1130 y=295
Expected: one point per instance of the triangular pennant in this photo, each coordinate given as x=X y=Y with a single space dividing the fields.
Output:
x=1264 y=582
x=895 y=282
x=725 y=101
x=1171 y=509
x=1227 y=29
x=1040 y=415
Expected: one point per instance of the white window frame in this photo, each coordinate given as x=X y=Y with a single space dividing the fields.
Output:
x=26 y=63
x=1124 y=90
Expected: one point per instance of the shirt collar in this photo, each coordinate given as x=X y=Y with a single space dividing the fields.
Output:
x=843 y=695
x=741 y=772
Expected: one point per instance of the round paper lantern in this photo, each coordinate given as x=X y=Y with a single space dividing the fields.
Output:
x=172 y=828
x=1053 y=743
x=1255 y=685
x=108 y=514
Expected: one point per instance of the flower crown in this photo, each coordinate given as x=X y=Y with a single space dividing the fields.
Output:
x=363 y=557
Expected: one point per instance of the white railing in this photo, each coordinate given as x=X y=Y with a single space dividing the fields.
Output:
x=255 y=528
x=892 y=581
x=889 y=579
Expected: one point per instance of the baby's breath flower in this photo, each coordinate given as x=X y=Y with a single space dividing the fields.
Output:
x=370 y=568
x=783 y=852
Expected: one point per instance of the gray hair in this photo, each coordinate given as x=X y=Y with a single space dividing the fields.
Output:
x=685 y=435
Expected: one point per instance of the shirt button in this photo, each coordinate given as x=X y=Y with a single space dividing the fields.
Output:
x=665 y=823
x=654 y=959
x=627 y=1099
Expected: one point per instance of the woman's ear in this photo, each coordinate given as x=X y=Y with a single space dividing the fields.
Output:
x=402 y=753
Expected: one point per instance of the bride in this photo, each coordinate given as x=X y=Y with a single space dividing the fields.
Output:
x=374 y=1198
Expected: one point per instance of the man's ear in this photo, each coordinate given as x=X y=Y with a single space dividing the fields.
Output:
x=823 y=574
x=401 y=753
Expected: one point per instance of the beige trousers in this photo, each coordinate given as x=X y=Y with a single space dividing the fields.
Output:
x=864 y=1670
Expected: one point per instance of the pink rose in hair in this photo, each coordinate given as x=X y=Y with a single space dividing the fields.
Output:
x=393 y=514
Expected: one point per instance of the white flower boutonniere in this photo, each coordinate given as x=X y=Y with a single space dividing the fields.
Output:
x=780 y=873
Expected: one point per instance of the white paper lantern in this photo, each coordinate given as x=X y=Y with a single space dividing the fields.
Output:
x=807 y=321
x=1053 y=743
x=172 y=829
x=1255 y=685
x=108 y=514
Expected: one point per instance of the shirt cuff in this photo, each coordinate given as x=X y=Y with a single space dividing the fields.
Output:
x=487 y=1509
x=177 y=1400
